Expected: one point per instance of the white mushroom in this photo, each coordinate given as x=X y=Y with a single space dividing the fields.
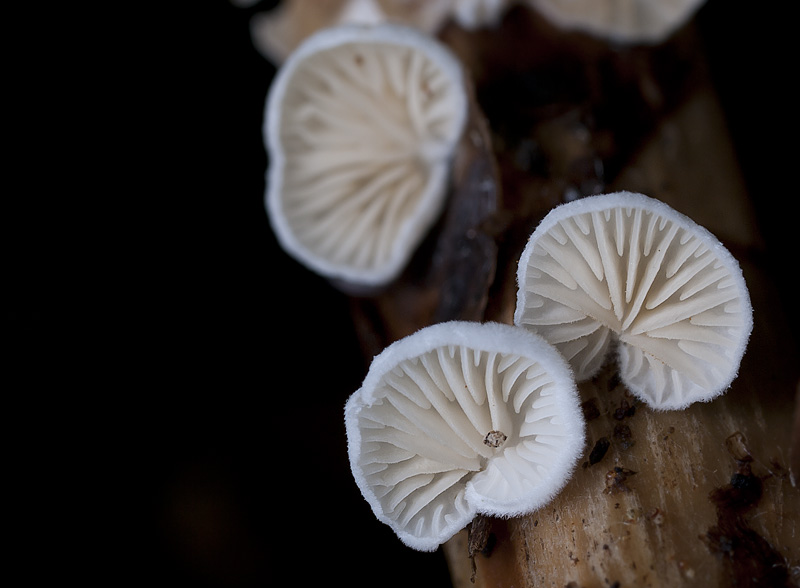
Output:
x=627 y=271
x=462 y=418
x=360 y=126
x=624 y=21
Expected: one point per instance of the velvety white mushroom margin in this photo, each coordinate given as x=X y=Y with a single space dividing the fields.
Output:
x=626 y=272
x=361 y=124
x=462 y=418
x=621 y=21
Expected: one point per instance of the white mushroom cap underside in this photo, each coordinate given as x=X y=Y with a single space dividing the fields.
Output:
x=416 y=428
x=361 y=125
x=628 y=270
x=631 y=21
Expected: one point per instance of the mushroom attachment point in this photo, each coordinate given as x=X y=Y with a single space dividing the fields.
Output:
x=628 y=272
x=361 y=124
x=462 y=418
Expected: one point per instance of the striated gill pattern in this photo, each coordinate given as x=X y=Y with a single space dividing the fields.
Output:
x=367 y=137
x=423 y=440
x=651 y=281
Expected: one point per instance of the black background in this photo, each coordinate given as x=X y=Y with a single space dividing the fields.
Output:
x=177 y=413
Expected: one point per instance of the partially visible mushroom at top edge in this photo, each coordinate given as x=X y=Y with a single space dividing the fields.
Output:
x=620 y=21
x=276 y=33
x=280 y=31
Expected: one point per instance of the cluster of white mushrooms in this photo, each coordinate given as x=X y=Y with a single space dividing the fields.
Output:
x=465 y=418
x=462 y=418
x=278 y=32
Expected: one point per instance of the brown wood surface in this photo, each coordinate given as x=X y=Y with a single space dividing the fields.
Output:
x=701 y=497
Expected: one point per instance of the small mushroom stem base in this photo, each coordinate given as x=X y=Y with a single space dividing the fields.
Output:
x=479 y=540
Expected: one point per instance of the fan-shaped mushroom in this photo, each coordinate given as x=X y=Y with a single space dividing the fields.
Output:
x=629 y=268
x=462 y=418
x=360 y=126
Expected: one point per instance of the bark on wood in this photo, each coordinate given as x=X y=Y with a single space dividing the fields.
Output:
x=701 y=497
